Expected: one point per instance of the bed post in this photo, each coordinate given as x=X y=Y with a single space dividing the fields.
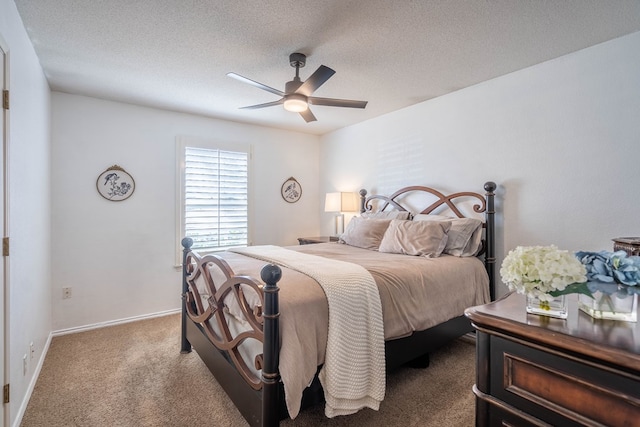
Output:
x=490 y=254
x=363 y=197
x=185 y=345
x=271 y=274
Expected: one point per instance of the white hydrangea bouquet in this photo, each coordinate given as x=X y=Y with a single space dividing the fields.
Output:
x=542 y=272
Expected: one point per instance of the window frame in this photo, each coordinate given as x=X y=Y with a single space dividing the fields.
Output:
x=212 y=144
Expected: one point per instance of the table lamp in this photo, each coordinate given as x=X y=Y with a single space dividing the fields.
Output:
x=339 y=203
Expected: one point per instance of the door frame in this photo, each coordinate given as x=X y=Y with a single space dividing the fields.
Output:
x=4 y=211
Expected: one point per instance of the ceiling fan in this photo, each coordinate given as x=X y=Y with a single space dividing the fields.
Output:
x=297 y=94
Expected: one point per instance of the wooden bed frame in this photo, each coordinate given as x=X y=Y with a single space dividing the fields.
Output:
x=261 y=400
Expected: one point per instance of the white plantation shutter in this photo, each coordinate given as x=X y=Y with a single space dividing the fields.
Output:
x=215 y=198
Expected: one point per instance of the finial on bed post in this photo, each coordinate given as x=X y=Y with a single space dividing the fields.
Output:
x=490 y=254
x=270 y=275
x=363 y=197
x=185 y=345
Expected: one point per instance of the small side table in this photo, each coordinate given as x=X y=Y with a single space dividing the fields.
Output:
x=630 y=245
x=319 y=239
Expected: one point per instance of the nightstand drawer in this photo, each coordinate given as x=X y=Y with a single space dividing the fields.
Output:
x=510 y=417
x=560 y=390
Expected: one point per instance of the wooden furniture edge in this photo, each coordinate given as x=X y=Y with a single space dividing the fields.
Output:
x=484 y=321
x=247 y=400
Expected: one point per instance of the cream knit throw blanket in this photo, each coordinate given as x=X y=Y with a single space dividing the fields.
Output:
x=353 y=375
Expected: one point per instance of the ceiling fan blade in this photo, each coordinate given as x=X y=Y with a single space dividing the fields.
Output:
x=308 y=116
x=266 y=104
x=256 y=84
x=317 y=79
x=332 y=102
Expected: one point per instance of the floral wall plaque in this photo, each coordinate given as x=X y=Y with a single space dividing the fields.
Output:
x=115 y=184
x=291 y=190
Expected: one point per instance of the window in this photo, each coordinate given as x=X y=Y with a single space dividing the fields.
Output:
x=214 y=194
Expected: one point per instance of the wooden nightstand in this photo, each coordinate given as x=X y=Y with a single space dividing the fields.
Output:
x=320 y=239
x=538 y=371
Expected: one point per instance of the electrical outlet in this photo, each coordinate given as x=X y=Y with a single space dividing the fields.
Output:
x=24 y=365
x=32 y=350
x=66 y=292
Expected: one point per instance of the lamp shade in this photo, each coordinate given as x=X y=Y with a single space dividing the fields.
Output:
x=341 y=202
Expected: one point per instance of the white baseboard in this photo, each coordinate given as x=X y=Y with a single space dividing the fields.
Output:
x=113 y=322
x=32 y=383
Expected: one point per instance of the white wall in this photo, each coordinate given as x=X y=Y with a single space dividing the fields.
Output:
x=119 y=257
x=30 y=206
x=561 y=139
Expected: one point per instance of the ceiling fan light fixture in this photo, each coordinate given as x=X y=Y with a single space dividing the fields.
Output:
x=297 y=94
x=296 y=103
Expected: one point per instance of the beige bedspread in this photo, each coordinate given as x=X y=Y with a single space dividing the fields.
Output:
x=415 y=292
x=353 y=374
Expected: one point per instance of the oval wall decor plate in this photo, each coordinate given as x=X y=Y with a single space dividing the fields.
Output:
x=291 y=190
x=115 y=184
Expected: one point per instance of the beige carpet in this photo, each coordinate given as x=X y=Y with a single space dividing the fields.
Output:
x=134 y=375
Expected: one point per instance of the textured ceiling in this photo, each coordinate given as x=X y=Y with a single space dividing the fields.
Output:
x=174 y=54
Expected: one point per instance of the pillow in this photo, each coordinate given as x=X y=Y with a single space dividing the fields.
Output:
x=393 y=214
x=422 y=238
x=465 y=234
x=365 y=233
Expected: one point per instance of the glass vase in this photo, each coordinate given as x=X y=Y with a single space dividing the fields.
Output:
x=610 y=306
x=557 y=307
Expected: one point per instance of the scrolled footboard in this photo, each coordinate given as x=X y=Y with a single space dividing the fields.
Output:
x=206 y=302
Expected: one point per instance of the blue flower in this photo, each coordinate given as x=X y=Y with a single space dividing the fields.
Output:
x=611 y=272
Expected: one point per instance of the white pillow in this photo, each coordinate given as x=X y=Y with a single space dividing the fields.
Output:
x=465 y=234
x=426 y=238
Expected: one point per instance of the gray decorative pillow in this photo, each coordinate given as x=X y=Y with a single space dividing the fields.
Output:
x=393 y=214
x=365 y=233
x=465 y=235
x=423 y=238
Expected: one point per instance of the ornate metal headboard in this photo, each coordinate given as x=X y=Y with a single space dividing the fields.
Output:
x=484 y=205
